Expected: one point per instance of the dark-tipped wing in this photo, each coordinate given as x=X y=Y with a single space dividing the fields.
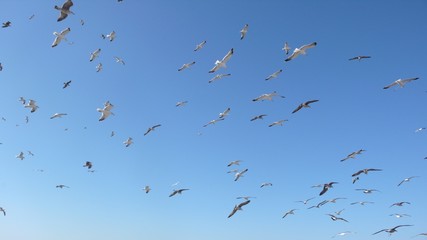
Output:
x=357 y=173
x=325 y=188
x=227 y=56
x=297 y=109
x=305 y=47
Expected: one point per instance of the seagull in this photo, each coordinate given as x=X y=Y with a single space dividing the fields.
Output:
x=30 y=153
x=88 y=165
x=240 y=174
x=65 y=10
x=32 y=105
x=304 y=105
x=99 y=67
x=406 y=180
x=110 y=36
x=58 y=115
x=266 y=96
x=286 y=48
x=399 y=204
x=60 y=36
x=289 y=212
x=334 y=200
x=106 y=111
x=147 y=189
x=353 y=154
x=233 y=171
x=213 y=121
x=398 y=215
x=180 y=104
x=420 y=129
x=365 y=171
x=95 y=54
x=342 y=233
x=236 y=162
x=278 y=123
x=361 y=203
x=62 y=186
x=244 y=31
x=66 y=84
x=6 y=24
x=267 y=184
x=22 y=100
x=31 y=17
x=274 y=75
x=245 y=197
x=112 y=134
x=152 y=129
x=339 y=212
x=355 y=179
x=367 y=191
x=3 y=210
x=305 y=201
x=359 y=58
x=301 y=50
x=20 y=156
x=219 y=64
x=335 y=218
x=186 y=65
x=238 y=207
x=219 y=76
x=391 y=230
x=128 y=142
x=200 y=46
x=179 y=191
x=401 y=82
x=326 y=186
x=319 y=204
x=119 y=60
x=225 y=113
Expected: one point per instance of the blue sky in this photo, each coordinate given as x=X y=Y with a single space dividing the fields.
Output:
x=155 y=38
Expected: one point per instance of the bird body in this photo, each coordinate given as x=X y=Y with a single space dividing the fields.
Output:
x=353 y=155
x=238 y=175
x=119 y=60
x=213 y=122
x=6 y=24
x=32 y=105
x=106 y=111
x=88 y=164
x=365 y=171
x=147 y=189
x=128 y=142
x=286 y=48
x=225 y=113
x=186 y=65
x=391 y=230
x=326 y=187
x=111 y=36
x=292 y=211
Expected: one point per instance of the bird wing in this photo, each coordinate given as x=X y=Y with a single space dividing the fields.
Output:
x=56 y=41
x=325 y=188
x=62 y=16
x=65 y=31
x=305 y=47
x=215 y=68
x=379 y=231
x=409 y=79
x=293 y=55
x=390 y=85
x=233 y=211
x=243 y=203
x=67 y=5
x=311 y=101
x=227 y=56
x=297 y=109
x=357 y=173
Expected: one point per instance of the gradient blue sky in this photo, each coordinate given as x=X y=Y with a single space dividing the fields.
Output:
x=155 y=38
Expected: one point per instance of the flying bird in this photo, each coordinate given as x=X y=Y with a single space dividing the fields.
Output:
x=342 y=234
x=261 y=116
x=62 y=186
x=200 y=46
x=66 y=84
x=286 y=48
x=22 y=100
x=65 y=10
x=119 y=60
x=179 y=191
x=111 y=36
x=406 y=180
x=58 y=115
x=222 y=63
x=152 y=129
x=391 y=230
x=32 y=105
x=6 y=24
x=128 y=142
x=20 y=156
x=367 y=191
x=304 y=105
x=274 y=75
x=305 y=201
x=267 y=184
x=301 y=50
x=326 y=187
x=267 y=96
x=186 y=65
x=335 y=218
x=238 y=207
x=30 y=153
x=420 y=129
x=401 y=82
x=180 y=104
x=398 y=215
x=353 y=155
x=225 y=113
x=278 y=123
x=106 y=111
x=399 y=204
x=219 y=76
x=292 y=211
x=213 y=121
x=239 y=174
x=1 y=67
x=3 y=210
x=359 y=58
x=361 y=203
x=94 y=54
x=245 y=197
x=365 y=171
x=147 y=189
x=88 y=164
x=60 y=36
x=99 y=67
x=236 y=162
x=244 y=31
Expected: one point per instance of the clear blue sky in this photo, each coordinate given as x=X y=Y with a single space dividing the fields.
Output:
x=155 y=38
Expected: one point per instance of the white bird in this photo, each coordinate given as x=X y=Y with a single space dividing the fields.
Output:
x=219 y=76
x=367 y=191
x=239 y=174
x=391 y=230
x=65 y=10
x=147 y=189
x=110 y=36
x=99 y=67
x=128 y=142
x=274 y=75
x=342 y=234
x=236 y=162
x=267 y=96
x=361 y=203
x=213 y=122
x=278 y=123
x=20 y=156
x=301 y=50
x=292 y=211
x=401 y=82
x=406 y=180
x=152 y=129
x=200 y=46
x=286 y=48
x=267 y=184
x=305 y=201
x=398 y=215
x=182 y=103
x=186 y=65
x=60 y=36
x=119 y=60
x=359 y=58
x=244 y=31
x=420 y=129
x=225 y=113
x=57 y=115
x=32 y=105
x=219 y=64
x=94 y=54
x=106 y=111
